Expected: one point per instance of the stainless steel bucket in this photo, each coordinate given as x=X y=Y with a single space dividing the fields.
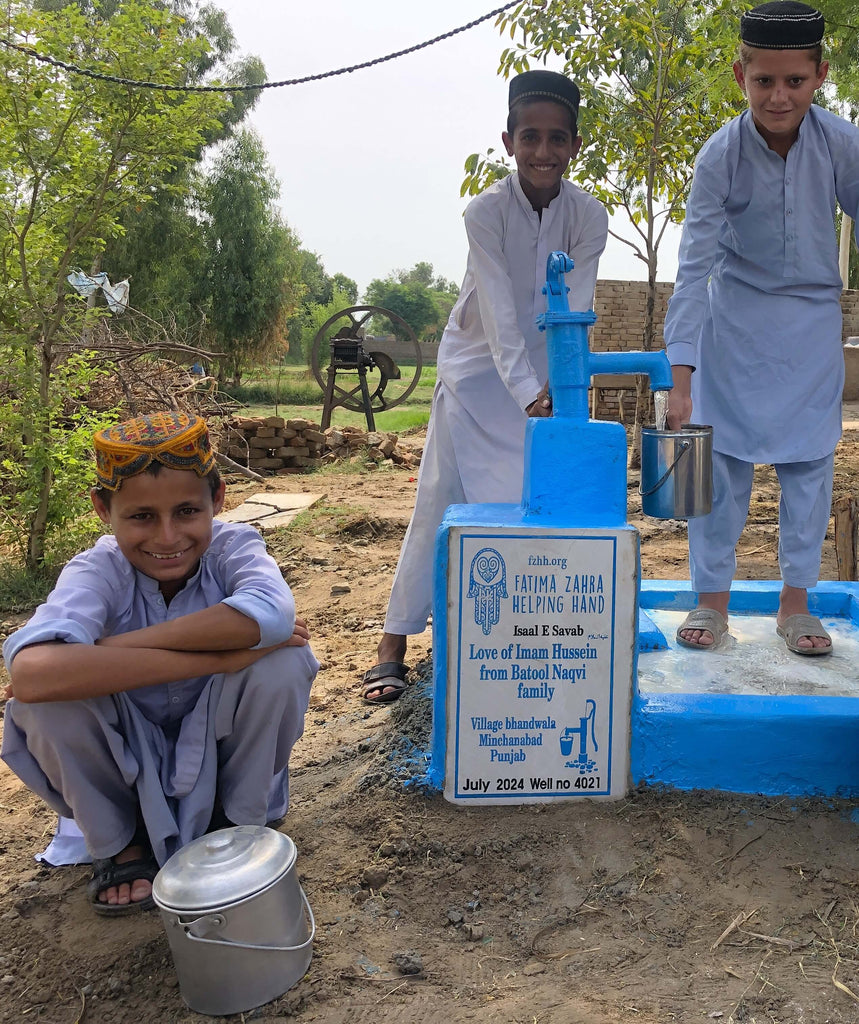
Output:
x=677 y=472
x=239 y=925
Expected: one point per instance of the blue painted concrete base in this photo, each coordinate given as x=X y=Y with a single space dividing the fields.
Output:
x=783 y=745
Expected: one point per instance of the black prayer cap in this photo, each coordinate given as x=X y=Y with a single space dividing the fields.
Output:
x=782 y=25
x=548 y=85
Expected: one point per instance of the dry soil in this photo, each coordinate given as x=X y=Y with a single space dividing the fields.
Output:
x=662 y=907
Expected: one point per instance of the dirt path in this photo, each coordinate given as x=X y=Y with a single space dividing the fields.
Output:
x=664 y=907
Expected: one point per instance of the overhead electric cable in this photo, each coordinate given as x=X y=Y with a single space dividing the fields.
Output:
x=100 y=76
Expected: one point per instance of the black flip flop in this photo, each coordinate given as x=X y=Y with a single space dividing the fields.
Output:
x=389 y=673
x=107 y=873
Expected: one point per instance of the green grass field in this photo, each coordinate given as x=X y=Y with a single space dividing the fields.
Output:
x=292 y=392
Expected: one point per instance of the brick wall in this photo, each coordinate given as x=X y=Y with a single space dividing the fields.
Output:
x=620 y=306
x=850 y=308
x=620 y=309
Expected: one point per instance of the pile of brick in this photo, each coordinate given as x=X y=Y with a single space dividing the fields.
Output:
x=273 y=444
x=358 y=445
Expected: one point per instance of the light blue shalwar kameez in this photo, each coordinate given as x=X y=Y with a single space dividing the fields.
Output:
x=756 y=311
x=168 y=749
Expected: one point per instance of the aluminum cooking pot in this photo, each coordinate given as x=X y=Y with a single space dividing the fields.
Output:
x=677 y=472
x=239 y=925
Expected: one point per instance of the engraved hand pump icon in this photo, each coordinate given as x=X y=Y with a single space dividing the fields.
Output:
x=583 y=762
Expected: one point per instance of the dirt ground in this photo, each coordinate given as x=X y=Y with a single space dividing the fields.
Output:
x=662 y=907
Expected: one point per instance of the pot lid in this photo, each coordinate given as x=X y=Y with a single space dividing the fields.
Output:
x=223 y=867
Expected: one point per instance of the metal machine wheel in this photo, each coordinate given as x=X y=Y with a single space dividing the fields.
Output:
x=342 y=346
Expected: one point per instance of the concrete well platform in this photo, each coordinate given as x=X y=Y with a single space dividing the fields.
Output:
x=750 y=717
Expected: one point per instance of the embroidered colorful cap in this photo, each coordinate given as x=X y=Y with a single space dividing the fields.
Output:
x=782 y=25
x=177 y=440
x=547 y=85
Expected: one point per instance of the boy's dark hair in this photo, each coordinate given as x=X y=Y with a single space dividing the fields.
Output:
x=154 y=468
x=519 y=106
x=747 y=53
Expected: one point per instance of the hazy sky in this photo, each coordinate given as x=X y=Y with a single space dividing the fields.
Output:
x=371 y=163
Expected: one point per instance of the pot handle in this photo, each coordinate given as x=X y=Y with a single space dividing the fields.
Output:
x=684 y=447
x=202 y=925
x=216 y=920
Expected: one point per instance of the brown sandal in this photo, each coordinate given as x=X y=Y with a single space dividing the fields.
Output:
x=388 y=674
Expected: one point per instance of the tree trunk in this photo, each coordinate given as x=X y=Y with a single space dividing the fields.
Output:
x=642 y=414
x=642 y=390
x=40 y=447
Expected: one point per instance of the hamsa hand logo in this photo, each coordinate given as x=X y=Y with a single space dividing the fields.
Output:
x=487 y=584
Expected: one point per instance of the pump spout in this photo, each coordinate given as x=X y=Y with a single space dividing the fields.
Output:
x=654 y=364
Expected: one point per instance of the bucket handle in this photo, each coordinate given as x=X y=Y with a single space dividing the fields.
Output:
x=216 y=920
x=684 y=447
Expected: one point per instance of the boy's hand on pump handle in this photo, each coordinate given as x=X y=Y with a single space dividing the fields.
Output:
x=542 y=404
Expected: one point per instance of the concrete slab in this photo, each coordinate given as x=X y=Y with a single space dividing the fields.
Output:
x=751 y=717
x=752 y=659
x=267 y=511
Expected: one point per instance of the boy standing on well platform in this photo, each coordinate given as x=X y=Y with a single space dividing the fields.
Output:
x=159 y=690
x=753 y=330
x=492 y=364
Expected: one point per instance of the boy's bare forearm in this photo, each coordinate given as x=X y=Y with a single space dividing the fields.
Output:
x=679 y=409
x=60 y=671
x=218 y=628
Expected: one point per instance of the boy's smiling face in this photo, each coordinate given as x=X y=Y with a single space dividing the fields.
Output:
x=543 y=145
x=163 y=523
x=780 y=87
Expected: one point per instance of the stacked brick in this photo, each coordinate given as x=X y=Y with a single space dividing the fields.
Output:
x=359 y=445
x=274 y=445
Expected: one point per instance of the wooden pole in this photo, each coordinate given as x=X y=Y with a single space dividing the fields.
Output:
x=846 y=537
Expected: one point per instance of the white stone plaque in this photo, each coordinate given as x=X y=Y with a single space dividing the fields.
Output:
x=541 y=640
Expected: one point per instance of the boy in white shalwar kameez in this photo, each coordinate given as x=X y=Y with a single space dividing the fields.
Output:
x=756 y=315
x=159 y=690
x=492 y=365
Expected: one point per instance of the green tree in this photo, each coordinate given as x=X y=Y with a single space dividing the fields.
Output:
x=74 y=154
x=252 y=284
x=421 y=298
x=306 y=325
x=412 y=302
x=161 y=245
x=842 y=50
x=324 y=295
x=320 y=287
x=346 y=288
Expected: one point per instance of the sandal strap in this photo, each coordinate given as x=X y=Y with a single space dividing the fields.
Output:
x=106 y=873
x=802 y=624
x=387 y=670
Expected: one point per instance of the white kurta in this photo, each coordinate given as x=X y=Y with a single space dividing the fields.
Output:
x=756 y=304
x=492 y=364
